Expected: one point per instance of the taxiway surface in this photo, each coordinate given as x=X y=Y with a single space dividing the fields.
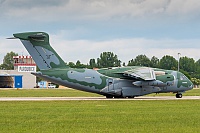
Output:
x=96 y=98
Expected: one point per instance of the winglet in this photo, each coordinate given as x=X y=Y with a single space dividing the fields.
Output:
x=36 y=36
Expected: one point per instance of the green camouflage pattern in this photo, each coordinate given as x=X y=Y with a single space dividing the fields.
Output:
x=116 y=82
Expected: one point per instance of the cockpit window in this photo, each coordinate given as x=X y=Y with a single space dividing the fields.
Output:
x=183 y=77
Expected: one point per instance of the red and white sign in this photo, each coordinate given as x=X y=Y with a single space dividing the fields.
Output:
x=22 y=57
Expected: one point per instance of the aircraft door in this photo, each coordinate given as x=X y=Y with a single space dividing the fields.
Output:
x=110 y=84
x=165 y=88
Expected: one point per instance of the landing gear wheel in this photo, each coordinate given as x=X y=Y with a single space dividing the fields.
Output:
x=130 y=96
x=109 y=96
x=117 y=97
x=178 y=95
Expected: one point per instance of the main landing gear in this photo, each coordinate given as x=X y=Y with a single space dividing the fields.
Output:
x=110 y=96
x=178 y=95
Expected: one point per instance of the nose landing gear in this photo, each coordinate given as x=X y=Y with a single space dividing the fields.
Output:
x=178 y=95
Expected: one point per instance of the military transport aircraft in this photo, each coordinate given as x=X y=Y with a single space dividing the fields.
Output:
x=113 y=82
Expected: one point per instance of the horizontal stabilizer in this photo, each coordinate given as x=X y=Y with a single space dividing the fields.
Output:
x=37 y=36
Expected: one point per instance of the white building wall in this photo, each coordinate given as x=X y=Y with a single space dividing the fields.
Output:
x=28 y=80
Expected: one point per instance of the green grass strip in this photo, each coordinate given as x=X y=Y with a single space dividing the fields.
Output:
x=100 y=116
x=45 y=93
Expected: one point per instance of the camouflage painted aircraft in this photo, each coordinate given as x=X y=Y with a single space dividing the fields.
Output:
x=113 y=82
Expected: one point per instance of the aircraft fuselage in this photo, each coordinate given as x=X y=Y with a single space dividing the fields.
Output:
x=112 y=81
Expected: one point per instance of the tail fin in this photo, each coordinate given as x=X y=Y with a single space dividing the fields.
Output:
x=37 y=44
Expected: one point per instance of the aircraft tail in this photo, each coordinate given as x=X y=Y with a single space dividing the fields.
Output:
x=37 y=44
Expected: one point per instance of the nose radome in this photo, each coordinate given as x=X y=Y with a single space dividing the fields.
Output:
x=190 y=86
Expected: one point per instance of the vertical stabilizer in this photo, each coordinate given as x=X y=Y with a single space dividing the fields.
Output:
x=37 y=44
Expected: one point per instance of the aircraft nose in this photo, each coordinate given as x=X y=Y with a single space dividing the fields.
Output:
x=191 y=86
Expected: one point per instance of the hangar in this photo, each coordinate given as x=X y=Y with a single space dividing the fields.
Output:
x=21 y=76
x=10 y=81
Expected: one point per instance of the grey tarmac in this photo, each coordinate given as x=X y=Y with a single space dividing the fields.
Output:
x=96 y=98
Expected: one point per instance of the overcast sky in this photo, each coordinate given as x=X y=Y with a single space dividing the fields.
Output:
x=82 y=29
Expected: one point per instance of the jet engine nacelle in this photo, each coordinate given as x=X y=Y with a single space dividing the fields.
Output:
x=157 y=83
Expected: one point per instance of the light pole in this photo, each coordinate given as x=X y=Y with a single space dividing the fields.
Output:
x=178 y=60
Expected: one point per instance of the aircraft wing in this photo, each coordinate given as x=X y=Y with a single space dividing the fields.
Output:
x=141 y=73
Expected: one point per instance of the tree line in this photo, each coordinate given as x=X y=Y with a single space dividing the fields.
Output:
x=188 y=66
